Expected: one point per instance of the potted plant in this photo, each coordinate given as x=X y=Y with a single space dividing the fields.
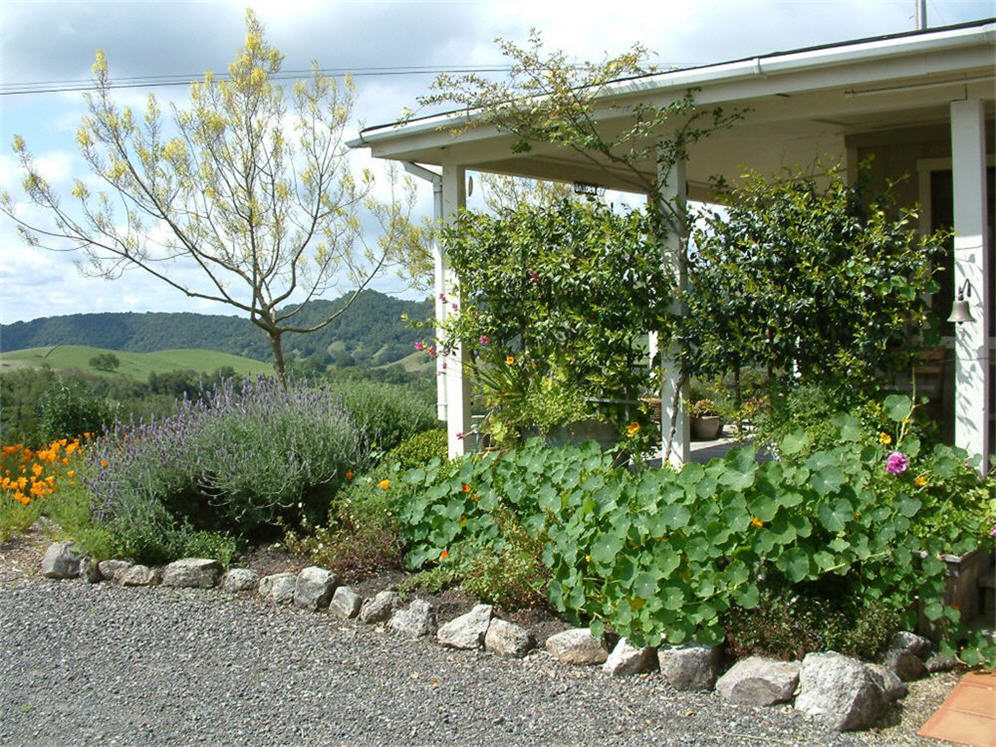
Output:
x=705 y=422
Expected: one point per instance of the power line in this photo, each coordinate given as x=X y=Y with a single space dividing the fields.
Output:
x=158 y=81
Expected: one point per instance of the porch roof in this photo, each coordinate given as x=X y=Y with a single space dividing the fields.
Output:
x=798 y=104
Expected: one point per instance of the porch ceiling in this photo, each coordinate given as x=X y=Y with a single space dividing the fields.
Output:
x=796 y=106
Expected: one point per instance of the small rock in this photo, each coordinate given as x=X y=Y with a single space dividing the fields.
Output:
x=907 y=666
x=936 y=663
x=627 y=659
x=892 y=687
x=314 y=588
x=139 y=575
x=194 y=573
x=109 y=569
x=90 y=571
x=381 y=607
x=508 y=639
x=577 y=646
x=418 y=619
x=840 y=690
x=907 y=641
x=466 y=631
x=345 y=602
x=240 y=579
x=62 y=560
x=278 y=588
x=689 y=666
x=759 y=681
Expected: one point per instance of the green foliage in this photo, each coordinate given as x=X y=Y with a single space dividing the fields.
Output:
x=385 y=414
x=69 y=408
x=20 y=393
x=661 y=555
x=105 y=362
x=549 y=301
x=791 y=622
x=431 y=581
x=808 y=281
x=419 y=449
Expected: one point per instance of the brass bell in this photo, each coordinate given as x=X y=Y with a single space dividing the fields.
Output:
x=960 y=312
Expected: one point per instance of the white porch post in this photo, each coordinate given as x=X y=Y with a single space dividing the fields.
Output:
x=456 y=378
x=672 y=190
x=971 y=259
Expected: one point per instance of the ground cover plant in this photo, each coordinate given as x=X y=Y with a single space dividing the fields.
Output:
x=659 y=555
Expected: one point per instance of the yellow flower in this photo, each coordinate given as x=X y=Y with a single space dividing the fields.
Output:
x=920 y=481
x=509 y=360
x=632 y=429
x=384 y=484
x=885 y=439
x=756 y=522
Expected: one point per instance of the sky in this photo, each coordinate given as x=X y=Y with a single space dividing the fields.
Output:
x=51 y=45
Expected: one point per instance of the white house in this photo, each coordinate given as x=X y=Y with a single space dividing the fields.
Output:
x=921 y=102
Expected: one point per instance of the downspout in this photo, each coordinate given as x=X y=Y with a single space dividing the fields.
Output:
x=437 y=270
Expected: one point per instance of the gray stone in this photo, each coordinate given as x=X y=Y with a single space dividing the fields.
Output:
x=937 y=663
x=577 y=646
x=892 y=687
x=380 y=607
x=840 y=690
x=62 y=560
x=240 y=579
x=345 y=603
x=627 y=659
x=90 y=571
x=907 y=666
x=466 y=631
x=689 y=666
x=195 y=573
x=508 y=639
x=759 y=681
x=907 y=641
x=139 y=575
x=278 y=588
x=314 y=588
x=418 y=619
x=109 y=569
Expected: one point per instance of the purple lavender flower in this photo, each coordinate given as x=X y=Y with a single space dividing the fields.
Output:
x=896 y=463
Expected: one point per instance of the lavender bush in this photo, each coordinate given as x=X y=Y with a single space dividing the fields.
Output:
x=233 y=461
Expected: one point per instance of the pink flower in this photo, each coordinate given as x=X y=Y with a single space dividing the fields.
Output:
x=455 y=307
x=992 y=532
x=432 y=354
x=444 y=365
x=533 y=277
x=419 y=346
x=484 y=339
x=442 y=297
x=896 y=463
x=460 y=436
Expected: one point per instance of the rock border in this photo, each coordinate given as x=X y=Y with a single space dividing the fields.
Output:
x=847 y=694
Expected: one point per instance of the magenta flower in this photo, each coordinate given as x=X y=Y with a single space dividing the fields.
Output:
x=459 y=435
x=455 y=307
x=484 y=339
x=432 y=354
x=992 y=532
x=896 y=463
x=442 y=297
x=419 y=346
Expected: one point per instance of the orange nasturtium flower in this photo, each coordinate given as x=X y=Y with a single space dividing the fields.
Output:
x=920 y=481
x=443 y=555
x=384 y=484
x=510 y=360
x=632 y=429
x=103 y=462
x=885 y=439
x=465 y=488
x=756 y=522
x=349 y=474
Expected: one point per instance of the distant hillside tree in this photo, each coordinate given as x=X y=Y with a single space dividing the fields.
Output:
x=253 y=192
x=105 y=362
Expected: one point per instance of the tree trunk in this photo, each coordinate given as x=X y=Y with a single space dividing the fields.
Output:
x=278 y=355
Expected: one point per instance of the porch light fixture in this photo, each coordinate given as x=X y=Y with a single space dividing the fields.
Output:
x=960 y=313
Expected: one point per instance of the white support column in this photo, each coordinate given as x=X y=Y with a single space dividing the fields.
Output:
x=456 y=377
x=971 y=259
x=673 y=191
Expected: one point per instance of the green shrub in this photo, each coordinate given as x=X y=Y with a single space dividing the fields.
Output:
x=69 y=408
x=386 y=413
x=419 y=449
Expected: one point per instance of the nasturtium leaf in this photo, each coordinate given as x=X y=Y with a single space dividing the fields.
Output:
x=605 y=549
x=909 y=506
x=676 y=515
x=794 y=442
x=830 y=520
x=597 y=627
x=848 y=426
x=933 y=610
x=897 y=407
x=824 y=560
x=645 y=585
x=672 y=598
x=747 y=596
x=794 y=564
x=828 y=479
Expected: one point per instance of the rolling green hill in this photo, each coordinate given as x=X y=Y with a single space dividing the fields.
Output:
x=371 y=332
x=135 y=366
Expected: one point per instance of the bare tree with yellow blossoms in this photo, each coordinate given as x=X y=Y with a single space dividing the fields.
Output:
x=255 y=193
